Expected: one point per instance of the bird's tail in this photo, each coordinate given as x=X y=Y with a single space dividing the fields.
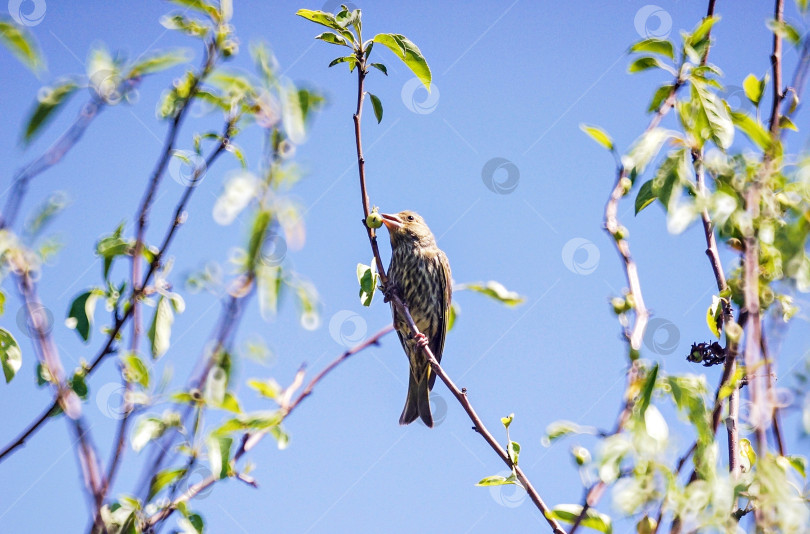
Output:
x=418 y=402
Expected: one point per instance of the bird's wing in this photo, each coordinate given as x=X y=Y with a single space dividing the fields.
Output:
x=445 y=292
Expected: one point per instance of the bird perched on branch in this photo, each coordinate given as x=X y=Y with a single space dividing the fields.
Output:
x=420 y=273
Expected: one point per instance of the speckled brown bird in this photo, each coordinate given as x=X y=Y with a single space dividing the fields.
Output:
x=421 y=273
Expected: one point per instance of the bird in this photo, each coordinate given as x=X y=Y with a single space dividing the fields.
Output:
x=420 y=273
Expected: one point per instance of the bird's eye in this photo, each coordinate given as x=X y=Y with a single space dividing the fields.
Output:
x=410 y=217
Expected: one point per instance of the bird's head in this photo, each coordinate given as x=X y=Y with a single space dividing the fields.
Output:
x=408 y=227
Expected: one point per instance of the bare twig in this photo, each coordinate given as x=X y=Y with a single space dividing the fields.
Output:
x=402 y=309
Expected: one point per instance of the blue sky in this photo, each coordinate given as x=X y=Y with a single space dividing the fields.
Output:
x=512 y=81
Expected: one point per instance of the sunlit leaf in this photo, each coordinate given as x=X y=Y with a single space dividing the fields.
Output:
x=82 y=310
x=378 y=107
x=219 y=451
x=569 y=513
x=22 y=44
x=598 y=135
x=409 y=53
x=161 y=328
x=752 y=129
x=163 y=478
x=753 y=87
x=158 y=61
x=49 y=100
x=10 y=354
x=494 y=290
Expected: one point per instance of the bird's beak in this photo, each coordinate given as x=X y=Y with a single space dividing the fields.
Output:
x=391 y=222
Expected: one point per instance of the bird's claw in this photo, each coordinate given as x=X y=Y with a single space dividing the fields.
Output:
x=421 y=340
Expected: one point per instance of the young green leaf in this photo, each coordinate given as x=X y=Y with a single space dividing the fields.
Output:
x=380 y=67
x=754 y=87
x=785 y=30
x=10 y=354
x=702 y=30
x=82 y=310
x=351 y=60
x=219 y=455
x=158 y=61
x=332 y=38
x=367 y=277
x=22 y=44
x=713 y=120
x=506 y=421
x=655 y=46
x=645 y=63
x=646 y=196
x=164 y=478
x=377 y=105
x=660 y=95
x=513 y=448
x=134 y=369
x=497 y=480
x=319 y=17
x=787 y=124
x=645 y=148
x=752 y=129
x=598 y=135
x=647 y=390
x=49 y=100
x=569 y=513
x=161 y=328
x=201 y=6
x=409 y=53
x=494 y=290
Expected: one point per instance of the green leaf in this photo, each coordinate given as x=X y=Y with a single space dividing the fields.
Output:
x=351 y=60
x=747 y=454
x=79 y=386
x=786 y=31
x=787 y=124
x=752 y=129
x=164 y=478
x=494 y=290
x=731 y=385
x=645 y=148
x=269 y=282
x=655 y=46
x=22 y=44
x=367 y=277
x=158 y=61
x=802 y=5
x=506 y=421
x=2 y=302
x=598 y=135
x=702 y=30
x=409 y=53
x=150 y=428
x=161 y=328
x=216 y=386
x=266 y=388
x=799 y=463
x=380 y=67
x=569 y=513
x=48 y=101
x=134 y=369
x=319 y=17
x=250 y=421
x=219 y=455
x=646 y=196
x=659 y=97
x=497 y=480
x=82 y=310
x=713 y=314
x=753 y=87
x=202 y=7
x=558 y=429
x=644 y=63
x=332 y=38
x=452 y=314
x=513 y=448
x=230 y=403
x=647 y=390
x=10 y=354
x=377 y=105
x=713 y=120
x=192 y=27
